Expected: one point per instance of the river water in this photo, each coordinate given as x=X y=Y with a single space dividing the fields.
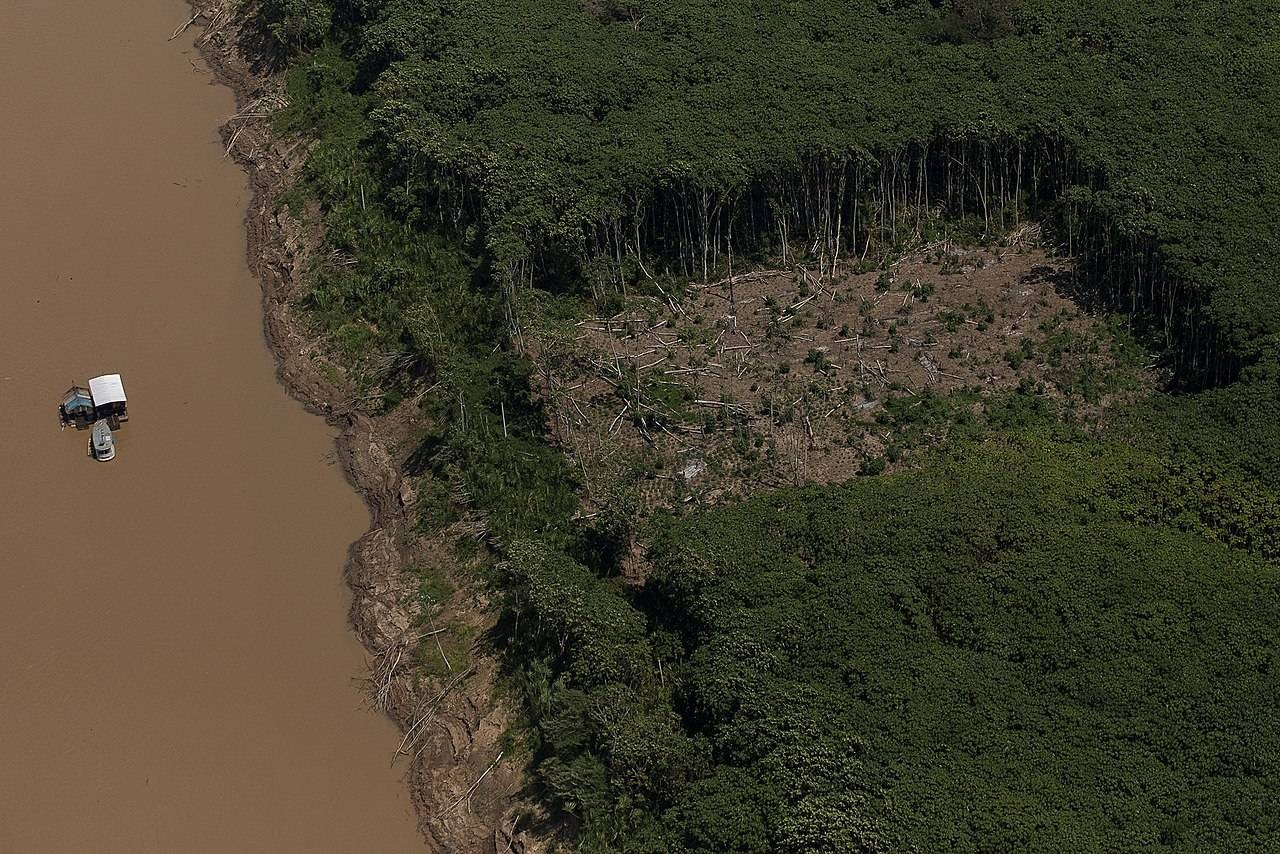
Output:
x=176 y=673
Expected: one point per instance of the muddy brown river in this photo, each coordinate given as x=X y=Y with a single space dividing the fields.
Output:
x=176 y=672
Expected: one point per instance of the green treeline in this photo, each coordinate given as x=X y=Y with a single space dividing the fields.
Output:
x=564 y=137
x=1035 y=640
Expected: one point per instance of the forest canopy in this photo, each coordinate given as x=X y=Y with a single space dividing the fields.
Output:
x=545 y=122
x=1037 y=637
x=1015 y=667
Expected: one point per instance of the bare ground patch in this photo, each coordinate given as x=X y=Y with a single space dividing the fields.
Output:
x=776 y=377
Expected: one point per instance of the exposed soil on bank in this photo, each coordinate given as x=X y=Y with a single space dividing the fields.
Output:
x=465 y=787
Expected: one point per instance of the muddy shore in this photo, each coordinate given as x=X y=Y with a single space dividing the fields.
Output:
x=466 y=797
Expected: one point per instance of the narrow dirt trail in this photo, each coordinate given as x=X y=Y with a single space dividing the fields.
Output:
x=176 y=672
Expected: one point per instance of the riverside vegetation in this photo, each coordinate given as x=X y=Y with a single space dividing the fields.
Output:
x=1030 y=633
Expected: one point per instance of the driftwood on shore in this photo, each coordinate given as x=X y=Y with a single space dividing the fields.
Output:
x=183 y=28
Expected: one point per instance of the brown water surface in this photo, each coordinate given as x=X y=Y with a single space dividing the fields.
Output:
x=175 y=667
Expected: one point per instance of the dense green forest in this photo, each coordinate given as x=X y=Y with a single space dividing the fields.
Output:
x=1037 y=638
x=567 y=143
x=916 y=664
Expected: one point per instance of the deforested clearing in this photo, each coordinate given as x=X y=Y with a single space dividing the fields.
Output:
x=778 y=377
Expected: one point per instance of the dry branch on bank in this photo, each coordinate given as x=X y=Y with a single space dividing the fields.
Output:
x=183 y=27
x=472 y=789
x=424 y=715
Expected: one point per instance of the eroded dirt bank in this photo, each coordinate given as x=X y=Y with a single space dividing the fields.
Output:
x=177 y=671
x=467 y=790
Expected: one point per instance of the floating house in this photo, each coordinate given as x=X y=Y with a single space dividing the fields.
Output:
x=108 y=399
x=76 y=409
x=103 y=400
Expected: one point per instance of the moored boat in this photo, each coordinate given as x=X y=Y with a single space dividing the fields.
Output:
x=102 y=444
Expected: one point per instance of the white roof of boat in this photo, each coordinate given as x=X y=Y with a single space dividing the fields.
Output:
x=107 y=389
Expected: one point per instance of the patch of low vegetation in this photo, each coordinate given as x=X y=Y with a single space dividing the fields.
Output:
x=790 y=379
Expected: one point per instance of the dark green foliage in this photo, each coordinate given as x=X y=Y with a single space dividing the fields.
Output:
x=592 y=633
x=1186 y=494
x=610 y=747
x=964 y=21
x=408 y=305
x=1041 y=639
x=1234 y=430
x=981 y=656
x=574 y=141
x=819 y=359
x=1026 y=407
x=296 y=25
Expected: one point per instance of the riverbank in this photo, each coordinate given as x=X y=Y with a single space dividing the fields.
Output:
x=464 y=794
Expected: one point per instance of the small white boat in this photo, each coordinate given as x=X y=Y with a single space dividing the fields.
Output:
x=102 y=445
